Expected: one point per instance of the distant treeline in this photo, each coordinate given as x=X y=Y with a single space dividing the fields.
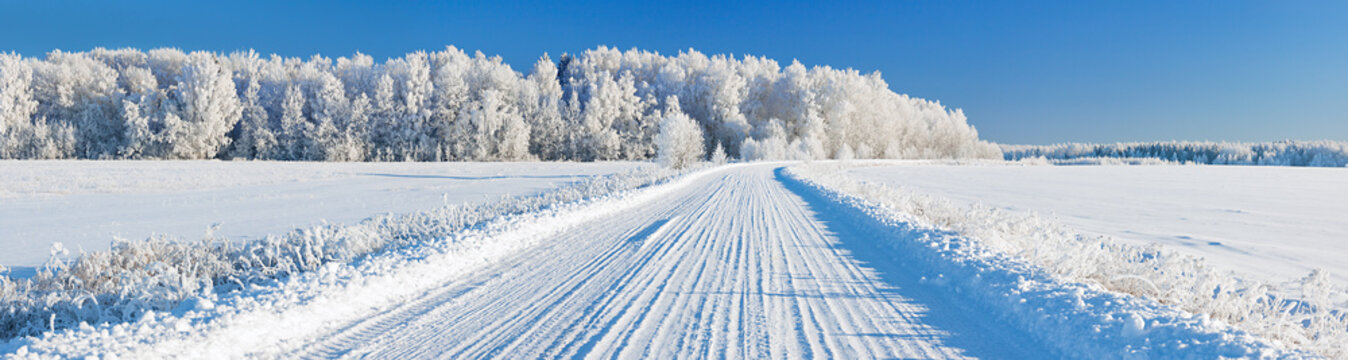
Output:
x=1283 y=153
x=603 y=104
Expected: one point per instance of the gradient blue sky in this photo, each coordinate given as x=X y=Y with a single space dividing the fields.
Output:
x=1024 y=72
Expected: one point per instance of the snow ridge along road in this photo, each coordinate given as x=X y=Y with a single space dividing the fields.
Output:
x=734 y=266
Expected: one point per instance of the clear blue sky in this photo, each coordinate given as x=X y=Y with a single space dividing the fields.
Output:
x=1024 y=72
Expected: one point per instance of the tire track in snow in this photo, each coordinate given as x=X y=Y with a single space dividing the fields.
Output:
x=738 y=266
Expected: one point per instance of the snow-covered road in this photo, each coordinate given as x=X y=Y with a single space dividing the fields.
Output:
x=738 y=265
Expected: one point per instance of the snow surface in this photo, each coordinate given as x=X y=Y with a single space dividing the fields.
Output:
x=85 y=204
x=1087 y=298
x=739 y=261
x=1264 y=222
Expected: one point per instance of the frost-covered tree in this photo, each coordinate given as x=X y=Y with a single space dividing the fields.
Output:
x=541 y=107
x=16 y=106
x=679 y=143
x=204 y=107
x=21 y=135
x=487 y=120
x=78 y=94
x=718 y=155
x=384 y=118
x=296 y=132
x=253 y=138
x=351 y=143
x=409 y=135
x=449 y=104
x=611 y=105
x=512 y=137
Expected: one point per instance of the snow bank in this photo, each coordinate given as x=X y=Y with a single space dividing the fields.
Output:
x=137 y=277
x=1281 y=153
x=1087 y=295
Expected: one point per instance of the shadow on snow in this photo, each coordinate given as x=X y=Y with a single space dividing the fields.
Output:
x=867 y=240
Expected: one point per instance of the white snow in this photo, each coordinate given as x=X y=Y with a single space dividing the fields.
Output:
x=1264 y=222
x=85 y=204
x=734 y=262
x=1089 y=295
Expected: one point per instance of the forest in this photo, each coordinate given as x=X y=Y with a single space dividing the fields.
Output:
x=1323 y=153
x=603 y=104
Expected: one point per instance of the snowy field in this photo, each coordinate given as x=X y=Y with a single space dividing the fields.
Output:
x=1269 y=223
x=85 y=204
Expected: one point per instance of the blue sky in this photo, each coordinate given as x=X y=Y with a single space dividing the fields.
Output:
x=1024 y=72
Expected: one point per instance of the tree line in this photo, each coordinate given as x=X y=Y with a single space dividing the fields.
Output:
x=602 y=104
x=1280 y=153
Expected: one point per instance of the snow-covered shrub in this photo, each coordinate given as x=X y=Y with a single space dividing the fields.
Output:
x=1280 y=153
x=1302 y=314
x=603 y=104
x=157 y=274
